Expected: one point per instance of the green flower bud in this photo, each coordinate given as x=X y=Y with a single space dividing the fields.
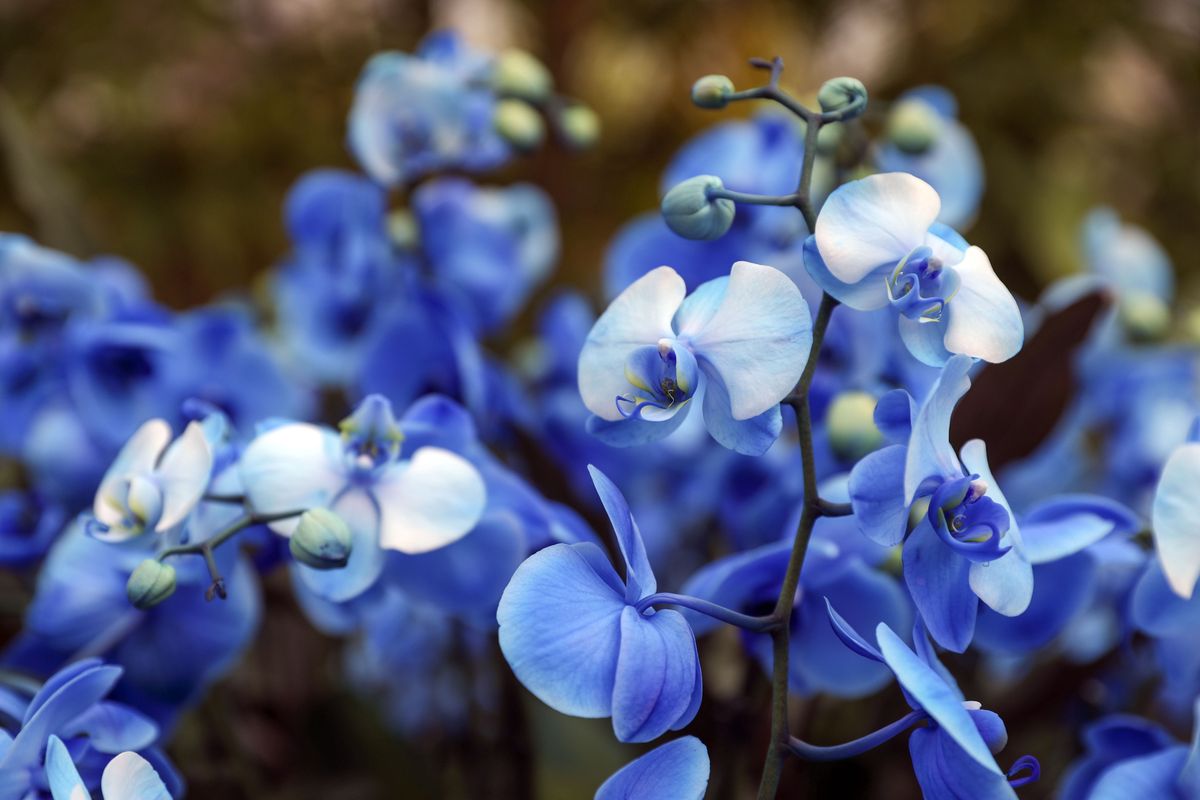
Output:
x=837 y=94
x=1145 y=317
x=712 y=91
x=913 y=126
x=150 y=584
x=519 y=124
x=402 y=228
x=850 y=422
x=693 y=214
x=517 y=73
x=321 y=540
x=579 y=126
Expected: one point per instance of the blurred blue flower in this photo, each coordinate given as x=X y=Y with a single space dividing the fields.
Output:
x=576 y=636
x=127 y=776
x=677 y=770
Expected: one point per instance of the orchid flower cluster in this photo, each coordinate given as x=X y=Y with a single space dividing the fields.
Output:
x=762 y=419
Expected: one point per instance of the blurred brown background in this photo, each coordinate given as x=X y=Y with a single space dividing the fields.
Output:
x=169 y=132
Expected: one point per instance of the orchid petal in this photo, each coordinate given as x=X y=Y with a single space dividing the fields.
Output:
x=1176 y=519
x=983 y=319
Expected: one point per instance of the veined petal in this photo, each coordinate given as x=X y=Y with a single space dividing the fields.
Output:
x=934 y=696
x=289 y=468
x=656 y=674
x=139 y=455
x=677 y=770
x=641 y=315
x=758 y=340
x=433 y=499
x=1176 y=519
x=866 y=294
x=929 y=450
x=639 y=577
x=751 y=437
x=183 y=475
x=983 y=319
x=874 y=221
x=560 y=628
x=130 y=777
x=877 y=495
x=61 y=773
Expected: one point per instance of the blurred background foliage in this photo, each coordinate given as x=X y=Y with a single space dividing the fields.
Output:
x=169 y=132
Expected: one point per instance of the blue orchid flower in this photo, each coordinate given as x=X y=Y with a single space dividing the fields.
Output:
x=841 y=567
x=677 y=770
x=946 y=156
x=154 y=483
x=1127 y=756
x=961 y=540
x=740 y=343
x=71 y=715
x=877 y=243
x=127 y=776
x=414 y=505
x=952 y=754
x=585 y=644
x=430 y=110
x=491 y=246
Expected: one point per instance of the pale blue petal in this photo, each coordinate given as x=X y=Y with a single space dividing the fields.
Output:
x=138 y=455
x=560 y=629
x=983 y=319
x=864 y=295
x=1006 y=584
x=1051 y=540
x=1157 y=610
x=700 y=306
x=929 y=451
x=877 y=495
x=639 y=577
x=113 y=727
x=751 y=437
x=938 y=580
x=640 y=316
x=360 y=513
x=290 y=468
x=1176 y=519
x=130 y=777
x=429 y=501
x=677 y=770
x=61 y=773
x=656 y=674
x=183 y=475
x=926 y=340
x=894 y=415
x=935 y=697
x=758 y=340
x=1145 y=777
x=874 y=221
x=83 y=690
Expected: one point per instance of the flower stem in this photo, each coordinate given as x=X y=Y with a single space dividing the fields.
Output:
x=762 y=624
x=812 y=752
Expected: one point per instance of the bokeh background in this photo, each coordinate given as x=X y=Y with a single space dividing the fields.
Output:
x=169 y=133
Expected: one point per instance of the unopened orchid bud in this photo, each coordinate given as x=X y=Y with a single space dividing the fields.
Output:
x=913 y=126
x=518 y=73
x=712 y=91
x=519 y=124
x=691 y=211
x=839 y=94
x=150 y=584
x=851 y=425
x=579 y=126
x=321 y=540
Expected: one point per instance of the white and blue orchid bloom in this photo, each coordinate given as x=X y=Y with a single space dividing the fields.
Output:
x=154 y=483
x=953 y=755
x=415 y=504
x=677 y=770
x=738 y=343
x=961 y=540
x=584 y=643
x=127 y=776
x=877 y=243
x=1176 y=518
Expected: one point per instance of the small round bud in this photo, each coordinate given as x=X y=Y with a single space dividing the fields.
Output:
x=579 y=126
x=850 y=422
x=150 y=584
x=1145 y=317
x=693 y=214
x=712 y=91
x=321 y=540
x=913 y=126
x=519 y=124
x=517 y=73
x=403 y=230
x=838 y=94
